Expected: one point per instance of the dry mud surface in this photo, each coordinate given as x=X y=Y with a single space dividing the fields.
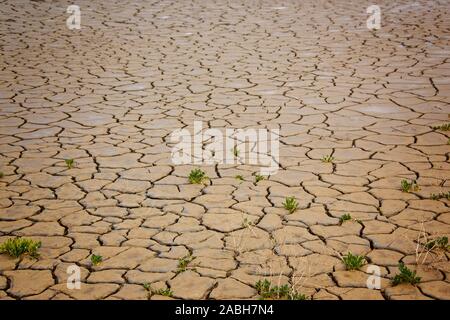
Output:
x=109 y=96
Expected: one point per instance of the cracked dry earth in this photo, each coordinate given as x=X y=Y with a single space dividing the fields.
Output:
x=109 y=96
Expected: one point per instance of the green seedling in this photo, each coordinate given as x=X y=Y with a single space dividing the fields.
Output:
x=69 y=163
x=184 y=262
x=163 y=292
x=247 y=223
x=239 y=177
x=405 y=276
x=353 y=262
x=196 y=176
x=439 y=243
x=328 y=159
x=294 y=295
x=235 y=151
x=96 y=259
x=268 y=291
x=290 y=204
x=442 y=127
x=408 y=186
x=16 y=247
x=345 y=217
x=147 y=286
x=258 y=178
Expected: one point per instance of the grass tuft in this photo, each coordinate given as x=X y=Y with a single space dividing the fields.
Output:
x=353 y=262
x=405 y=276
x=184 y=262
x=258 y=178
x=345 y=217
x=290 y=204
x=408 y=186
x=438 y=243
x=69 y=163
x=268 y=291
x=96 y=259
x=16 y=247
x=147 y=286
x=196 y=176
x=443 y=127
x=328 y=158
x=442 y=195
x=163 y=292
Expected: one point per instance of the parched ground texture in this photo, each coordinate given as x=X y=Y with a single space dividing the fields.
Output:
x=109 y=96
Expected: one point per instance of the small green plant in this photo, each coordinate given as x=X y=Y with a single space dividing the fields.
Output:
x=197 y=176
x=247 y=223
x=405 y=276
x=235 y=151
x=69 y=163
x=353 y=262
x=345 y=217
x=290 y=204
x=408 y=186
x=439 y=243
x=294 y=295
x=96 y=259
x=147 y=286
x=442 y=195
x=184 y=262
x=443 y=127
x=239 y=177
x=163 y=292
x=268 y=291
x=16 y=247
x=258 y=178
x=328 y=158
